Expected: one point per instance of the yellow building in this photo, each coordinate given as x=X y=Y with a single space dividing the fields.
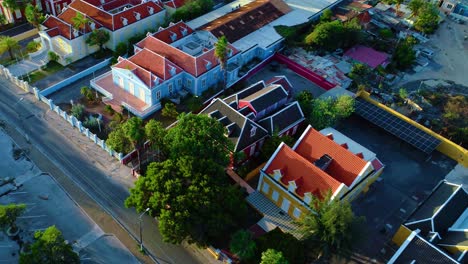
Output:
x=318 y=162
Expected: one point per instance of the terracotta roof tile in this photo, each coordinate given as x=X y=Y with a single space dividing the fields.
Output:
x=308 y=177
x=178 y=29
x=345 y=166
x=62 y=28
x=142 y=9
x=154 y=63
x=98 y=15
x=247 y=19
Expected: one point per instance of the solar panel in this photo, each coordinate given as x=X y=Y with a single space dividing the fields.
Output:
x=396 y=126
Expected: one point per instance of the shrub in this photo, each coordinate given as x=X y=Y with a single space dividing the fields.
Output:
x=194 y=103
x=33 y=46
x=77 y=111
x=108 y=109
x=170 y=110
x=88 y=93
x=53 y=56
x=91 y=122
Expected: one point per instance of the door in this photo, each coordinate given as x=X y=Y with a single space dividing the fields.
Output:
x=285 y=205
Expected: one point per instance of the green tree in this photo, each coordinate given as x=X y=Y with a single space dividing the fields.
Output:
x=9 y=44
x=98 y=37
x=192 y=9
x=121 y=49
x=360 y=73
x=155 y=133
x=404 y=55
x=77 y=111
x=194 y=103
x=271 y=256
x=305 y=99
x=34 y=16
x=403 y=93
x=385 y=33
x=9 y=213
x=333 y=35
x=118 y=141
x=272 y=143
x=169 y=110
x=50 y=247
x=221 y=53
x=53 y=56
x=327 y=112
x=88 y=93
x=79 y=21
x=415 y=6
x=428 y=19
x=135 y=132
x=326 y=15
x=242 y=244
x=292 y=249
x=3 y=20
x=33 y=46
x=12 y=5
x=189 y=191
x=331 y=227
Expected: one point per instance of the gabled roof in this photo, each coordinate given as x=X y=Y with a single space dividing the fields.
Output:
x=195 y=66
x=238 y=126
x=245 y=92
x=418 y=250
x=345 y=166
x=440 y=209
x=281 y=80
x=294 y=167
x=265 y=97
x=175 y=3
x=178 y=29
x=283 y=119
x=247 y=19
x=57 y=27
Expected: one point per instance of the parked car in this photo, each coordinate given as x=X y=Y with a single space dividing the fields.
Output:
x=427 y=52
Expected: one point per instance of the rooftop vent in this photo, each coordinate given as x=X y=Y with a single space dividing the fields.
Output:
x=150 y=10
x=173 y=36
x=323 y=162
x=124 y=21
x=184 y=31
x=137 y=15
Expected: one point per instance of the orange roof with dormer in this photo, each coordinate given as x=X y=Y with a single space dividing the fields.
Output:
x=307 y=177
x=345 y=166
x=180 y=29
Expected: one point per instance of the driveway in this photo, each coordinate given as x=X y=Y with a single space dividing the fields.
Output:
x=450 y=58
x=409 y=176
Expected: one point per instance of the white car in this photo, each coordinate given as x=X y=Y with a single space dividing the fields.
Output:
x=427 y=52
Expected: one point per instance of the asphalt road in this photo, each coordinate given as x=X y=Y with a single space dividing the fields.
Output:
x=28 y=118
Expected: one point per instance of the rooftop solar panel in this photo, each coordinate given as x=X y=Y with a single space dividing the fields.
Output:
x=403 y=130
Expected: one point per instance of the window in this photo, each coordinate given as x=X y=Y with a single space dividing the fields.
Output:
x=179 y=83
x=171 y=90
x=131 y=88
x=265 y=188
x=252 y=149
x=121 y=82
x=285 y=205
x=449 y=6
x=189 y=83
x=294 y=130
x=253 y=130
x=203 y=83
x=141 y=94
x=297 y=213
x=158 y=95
x=275 y=196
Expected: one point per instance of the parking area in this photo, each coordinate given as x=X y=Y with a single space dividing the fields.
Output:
x=450 y=55
x=409 y=176
x=298 y=82
x=46 y=205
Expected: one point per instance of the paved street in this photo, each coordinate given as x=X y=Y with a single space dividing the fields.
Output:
x=90 y=183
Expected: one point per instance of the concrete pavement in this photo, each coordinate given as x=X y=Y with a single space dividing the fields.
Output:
x=93 y=183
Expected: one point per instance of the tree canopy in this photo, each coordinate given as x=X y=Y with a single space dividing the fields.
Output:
x=428 y=18
x=271 y=256
x=118 y=141
x=221 y=53
x=335 y=34
x=189 y=192
x=79 y=21
x=331 y=227
x=242 y=244
x=98 y=37
x=49 y=247
x=9 y=44
x=9 y=213
x=192 y=9
x=33 y=15
x=327 y=112
x=404 y=55
x=272 y=143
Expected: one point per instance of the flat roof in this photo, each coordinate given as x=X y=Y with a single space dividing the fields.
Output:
x=353 y=146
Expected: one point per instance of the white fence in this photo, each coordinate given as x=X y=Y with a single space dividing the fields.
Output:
x=5 y=73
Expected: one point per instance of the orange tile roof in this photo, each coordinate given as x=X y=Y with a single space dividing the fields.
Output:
x=307 y=176
x=62 y=28
x=345 y=166
x=165 y=34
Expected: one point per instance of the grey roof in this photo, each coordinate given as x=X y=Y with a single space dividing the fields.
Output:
x=283 y=119
x=422 y=251
x=440 y=210
x=265 y=97
x=245 y=92
x=239 y=125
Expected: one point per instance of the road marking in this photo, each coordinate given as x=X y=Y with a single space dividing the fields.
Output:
x=32 y=216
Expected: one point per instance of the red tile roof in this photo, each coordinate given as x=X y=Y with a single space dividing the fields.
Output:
x=92 y=11
x=308 y=177
x=345 y=166
x=175 y=3
x=69 y=14
x=60 y=26
x=368 y=56
x=196 y=66
x=178 y=28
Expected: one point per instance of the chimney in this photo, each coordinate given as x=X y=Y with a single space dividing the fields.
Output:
x=323 y=162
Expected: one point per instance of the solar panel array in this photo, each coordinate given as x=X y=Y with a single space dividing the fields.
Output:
x=403 y=130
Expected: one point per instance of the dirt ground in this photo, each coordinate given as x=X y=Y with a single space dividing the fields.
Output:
x=450 y=58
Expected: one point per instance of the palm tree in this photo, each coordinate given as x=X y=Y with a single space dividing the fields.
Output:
x=79 y=21
x=9 y=44
x=34 y=16
x=221 y=53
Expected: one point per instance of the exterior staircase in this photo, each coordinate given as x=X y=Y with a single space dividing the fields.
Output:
x=26 y=66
